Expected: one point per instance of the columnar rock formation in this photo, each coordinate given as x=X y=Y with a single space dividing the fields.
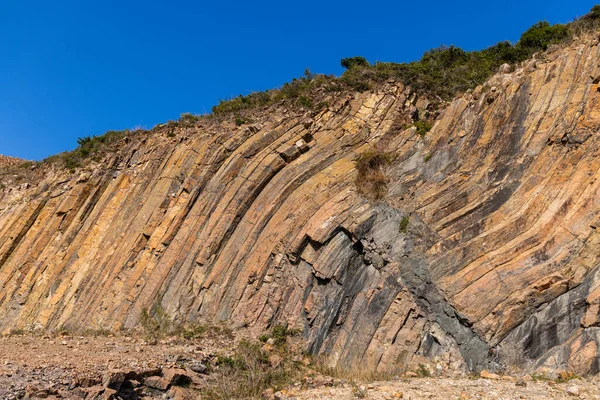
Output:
x=263 y=224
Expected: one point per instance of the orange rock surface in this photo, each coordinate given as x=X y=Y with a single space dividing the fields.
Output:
x=263 y=224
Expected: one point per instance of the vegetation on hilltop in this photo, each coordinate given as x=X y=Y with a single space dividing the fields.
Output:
x=440 y=74
x=90 y=148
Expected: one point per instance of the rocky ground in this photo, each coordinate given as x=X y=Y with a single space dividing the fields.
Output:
x=455 y=388
x=126 y=367
x=99 y=367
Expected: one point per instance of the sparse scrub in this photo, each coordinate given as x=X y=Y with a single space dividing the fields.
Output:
x=189 y=118
x=193 y=331
x=89 y=148
x=26 y=165
x=440 y=74
x=17 y=332
x=371 y=180
x=541 y=377
x=101 y=332
x=360 y=373
x=564 y=377
x=358 y=391
x=321 y=106
x=423 y=127
x=248 y=372
x=239 y=121
x=423 y=371
x=156 y=324
x=299 y=92
x=279 y=334
x=305 y=102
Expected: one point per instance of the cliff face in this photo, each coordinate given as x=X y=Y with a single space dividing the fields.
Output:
x=263 y=224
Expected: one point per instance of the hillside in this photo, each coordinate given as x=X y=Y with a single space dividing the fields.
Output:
x=473 y=245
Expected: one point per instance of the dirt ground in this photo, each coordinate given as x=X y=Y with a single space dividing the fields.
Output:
x=75 y=367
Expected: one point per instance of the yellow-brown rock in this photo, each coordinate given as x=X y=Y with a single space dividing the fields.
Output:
x=263 y=224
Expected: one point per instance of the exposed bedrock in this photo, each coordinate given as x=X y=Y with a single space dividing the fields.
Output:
x=263 y=224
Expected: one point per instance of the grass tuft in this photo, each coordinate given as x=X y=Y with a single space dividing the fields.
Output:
x=371 y=180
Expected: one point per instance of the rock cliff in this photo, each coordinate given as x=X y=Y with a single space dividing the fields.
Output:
x=482 y=253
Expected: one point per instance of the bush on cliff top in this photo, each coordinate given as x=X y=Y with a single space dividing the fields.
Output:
x=446 y=71
x=89 y=147
x=442 y=72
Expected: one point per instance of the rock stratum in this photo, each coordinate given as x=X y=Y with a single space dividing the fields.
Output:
x=262 y=224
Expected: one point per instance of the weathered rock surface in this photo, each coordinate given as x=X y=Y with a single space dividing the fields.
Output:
x=262 y=224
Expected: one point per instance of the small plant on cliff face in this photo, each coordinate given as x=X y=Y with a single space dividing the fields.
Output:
x=403 y=228
x=239 y=121
x=371 y=180
x=155 y=323
x=423 y=127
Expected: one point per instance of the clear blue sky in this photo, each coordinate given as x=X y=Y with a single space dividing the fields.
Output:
x=76 y=68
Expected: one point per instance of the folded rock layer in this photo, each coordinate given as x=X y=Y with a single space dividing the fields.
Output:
x=263 y=224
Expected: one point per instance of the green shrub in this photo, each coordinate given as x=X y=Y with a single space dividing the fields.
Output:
x=423 y=371
x=239 y=121
x=321 y=106
x=247 y=373
x=354 y=62
x=299 y=91
x=358 y=392
x=423 y=127
x=305 y=102
x=193 y=331
x=89 y=147
x=189 y=118
x=279 y=334
x=156 y=324
x=253 y=100
x=403 y=228
x=17 y=332
x=84 y=140
x=542 y=35
x=440 y=74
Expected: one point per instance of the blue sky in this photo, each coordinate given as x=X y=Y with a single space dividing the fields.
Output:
x=69 y=69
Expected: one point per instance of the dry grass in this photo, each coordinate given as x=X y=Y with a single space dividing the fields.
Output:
x=371 y=180
x=356 y=373
x=249 y=372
